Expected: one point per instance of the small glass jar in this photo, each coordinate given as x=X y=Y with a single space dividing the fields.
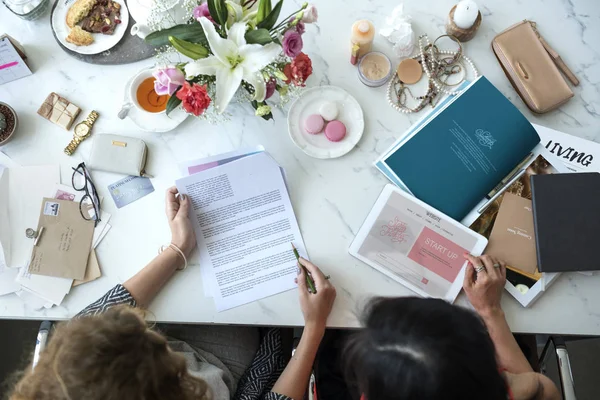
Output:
x=27 y=9
x=374 y=69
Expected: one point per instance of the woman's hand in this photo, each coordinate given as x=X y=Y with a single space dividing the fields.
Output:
x=484 y=289
x=182 y=232
x=315 y=307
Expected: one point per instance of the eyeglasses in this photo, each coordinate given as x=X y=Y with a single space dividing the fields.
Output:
x=82 y=182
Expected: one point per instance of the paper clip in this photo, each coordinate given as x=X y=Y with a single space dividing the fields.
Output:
x=39 y=235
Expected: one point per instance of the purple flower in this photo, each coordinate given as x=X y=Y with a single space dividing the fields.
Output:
x=271 y=86
x=202 y=11
x=310 y=14
x=168 y=80
x=300 y=26
x=292 y=43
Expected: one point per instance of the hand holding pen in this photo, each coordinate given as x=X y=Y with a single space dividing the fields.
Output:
x=316 y=305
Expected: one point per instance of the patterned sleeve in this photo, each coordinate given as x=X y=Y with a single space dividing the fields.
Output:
x=267 y=366
x=115 y=296
x=275 y=396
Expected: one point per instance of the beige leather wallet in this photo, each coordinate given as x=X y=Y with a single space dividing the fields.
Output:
x=532 y=66
x=119 y=154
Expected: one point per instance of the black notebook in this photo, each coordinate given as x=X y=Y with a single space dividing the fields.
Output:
x=566 y=213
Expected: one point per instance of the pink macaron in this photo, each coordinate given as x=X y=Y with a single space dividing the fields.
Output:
x=314 y=124
x=335 y=131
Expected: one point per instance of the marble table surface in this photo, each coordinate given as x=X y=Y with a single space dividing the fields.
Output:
x=331 y=197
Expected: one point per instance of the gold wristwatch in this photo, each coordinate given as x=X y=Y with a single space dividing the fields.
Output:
x=81 y=132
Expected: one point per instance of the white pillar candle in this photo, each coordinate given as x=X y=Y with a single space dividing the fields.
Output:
x=465 y=14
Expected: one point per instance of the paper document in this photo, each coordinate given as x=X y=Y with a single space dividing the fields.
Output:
x=49 y=288
x=244 y=225
x=7 y=280
x=194 y=166
x=26 y=188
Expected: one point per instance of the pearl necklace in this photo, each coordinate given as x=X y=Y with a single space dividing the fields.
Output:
x=435 y=86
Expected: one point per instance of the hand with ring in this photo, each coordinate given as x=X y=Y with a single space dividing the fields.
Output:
x=484 y=283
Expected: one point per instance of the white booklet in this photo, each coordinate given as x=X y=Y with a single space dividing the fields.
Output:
x=244 y=224
x=416 y=245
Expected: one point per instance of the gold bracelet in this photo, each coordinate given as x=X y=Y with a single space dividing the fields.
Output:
x=176 y=250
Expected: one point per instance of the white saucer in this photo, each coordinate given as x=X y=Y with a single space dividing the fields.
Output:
x=101 y=42
x=318 y=146
x=150 y=122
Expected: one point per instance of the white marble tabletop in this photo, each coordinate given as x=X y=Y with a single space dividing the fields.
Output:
x=331 y=197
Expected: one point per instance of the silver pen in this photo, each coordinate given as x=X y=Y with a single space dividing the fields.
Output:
x=42 y=339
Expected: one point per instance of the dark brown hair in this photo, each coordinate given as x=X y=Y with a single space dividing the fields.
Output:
x=422 y=349
x=110 y=356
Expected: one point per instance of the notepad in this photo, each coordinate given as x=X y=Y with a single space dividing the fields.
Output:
x=12 y=65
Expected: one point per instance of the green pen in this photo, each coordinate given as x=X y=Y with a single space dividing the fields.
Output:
x=309 y=280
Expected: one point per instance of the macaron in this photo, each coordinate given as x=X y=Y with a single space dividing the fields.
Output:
x=329 y=111
x=335 y=131
x=314 y=124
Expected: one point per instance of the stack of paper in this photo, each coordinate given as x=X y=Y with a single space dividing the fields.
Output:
x=21 y=191
x=244 y=224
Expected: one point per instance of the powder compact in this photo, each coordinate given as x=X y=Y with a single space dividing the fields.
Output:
x=374 y=69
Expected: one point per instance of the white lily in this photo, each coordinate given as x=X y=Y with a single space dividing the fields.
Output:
x=238 y=13
x=233 y=60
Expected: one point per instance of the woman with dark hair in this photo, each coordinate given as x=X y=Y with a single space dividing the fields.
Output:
x=110 y=353
x=427 y=349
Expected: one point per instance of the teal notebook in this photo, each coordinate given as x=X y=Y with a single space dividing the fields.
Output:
x=456 y=155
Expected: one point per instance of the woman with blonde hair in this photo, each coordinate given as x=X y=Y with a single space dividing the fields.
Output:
x=109 y=352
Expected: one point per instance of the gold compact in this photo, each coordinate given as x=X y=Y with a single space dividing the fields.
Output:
x=410 y=71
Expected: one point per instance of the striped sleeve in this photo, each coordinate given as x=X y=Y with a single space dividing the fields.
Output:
x=117 y=295
x=275 y=396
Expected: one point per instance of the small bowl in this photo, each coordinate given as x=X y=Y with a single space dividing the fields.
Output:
x=10 y=134
x=374 y=82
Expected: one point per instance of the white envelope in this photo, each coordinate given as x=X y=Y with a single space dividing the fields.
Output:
x=21 y=192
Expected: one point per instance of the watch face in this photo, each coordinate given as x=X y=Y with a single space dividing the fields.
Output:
x=82 y=130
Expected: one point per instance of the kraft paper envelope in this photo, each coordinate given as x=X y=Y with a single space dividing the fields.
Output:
x=92 y=272
x=63 y=247
x=513 y=238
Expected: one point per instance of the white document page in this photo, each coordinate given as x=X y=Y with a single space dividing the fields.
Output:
x=244 y=225
x=7 y=280
x=50 y=288
x=27 y=186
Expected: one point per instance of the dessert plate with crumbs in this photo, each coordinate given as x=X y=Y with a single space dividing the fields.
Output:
x=90 y=26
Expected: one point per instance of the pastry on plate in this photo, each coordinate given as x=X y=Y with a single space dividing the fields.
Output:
x=79 y=37
x=78 y=11
x=103 y=18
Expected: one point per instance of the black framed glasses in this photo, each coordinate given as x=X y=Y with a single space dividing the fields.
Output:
x=82 y=182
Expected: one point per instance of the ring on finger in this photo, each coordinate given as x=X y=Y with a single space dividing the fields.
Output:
x=496 y=265
x=479 y=269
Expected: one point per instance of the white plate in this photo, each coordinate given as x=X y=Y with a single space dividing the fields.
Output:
x=101 y=42
x=318 y=146
x=149 y=122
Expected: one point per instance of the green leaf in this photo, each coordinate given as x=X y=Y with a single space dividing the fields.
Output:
x=258 y=36
x=173 y=102
x=189 y=32
x=218 y=11
x=271 y=19
x=264 y=8
x=194 y=51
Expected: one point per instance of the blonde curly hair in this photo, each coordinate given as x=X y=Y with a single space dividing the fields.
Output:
x=109 y=356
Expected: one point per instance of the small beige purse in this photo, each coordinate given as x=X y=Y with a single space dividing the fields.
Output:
x=532 y=67
x=119 y=154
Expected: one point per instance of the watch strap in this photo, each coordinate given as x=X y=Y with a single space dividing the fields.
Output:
x=72 y=146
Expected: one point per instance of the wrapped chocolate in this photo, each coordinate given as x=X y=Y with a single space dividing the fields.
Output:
x=59 y=110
